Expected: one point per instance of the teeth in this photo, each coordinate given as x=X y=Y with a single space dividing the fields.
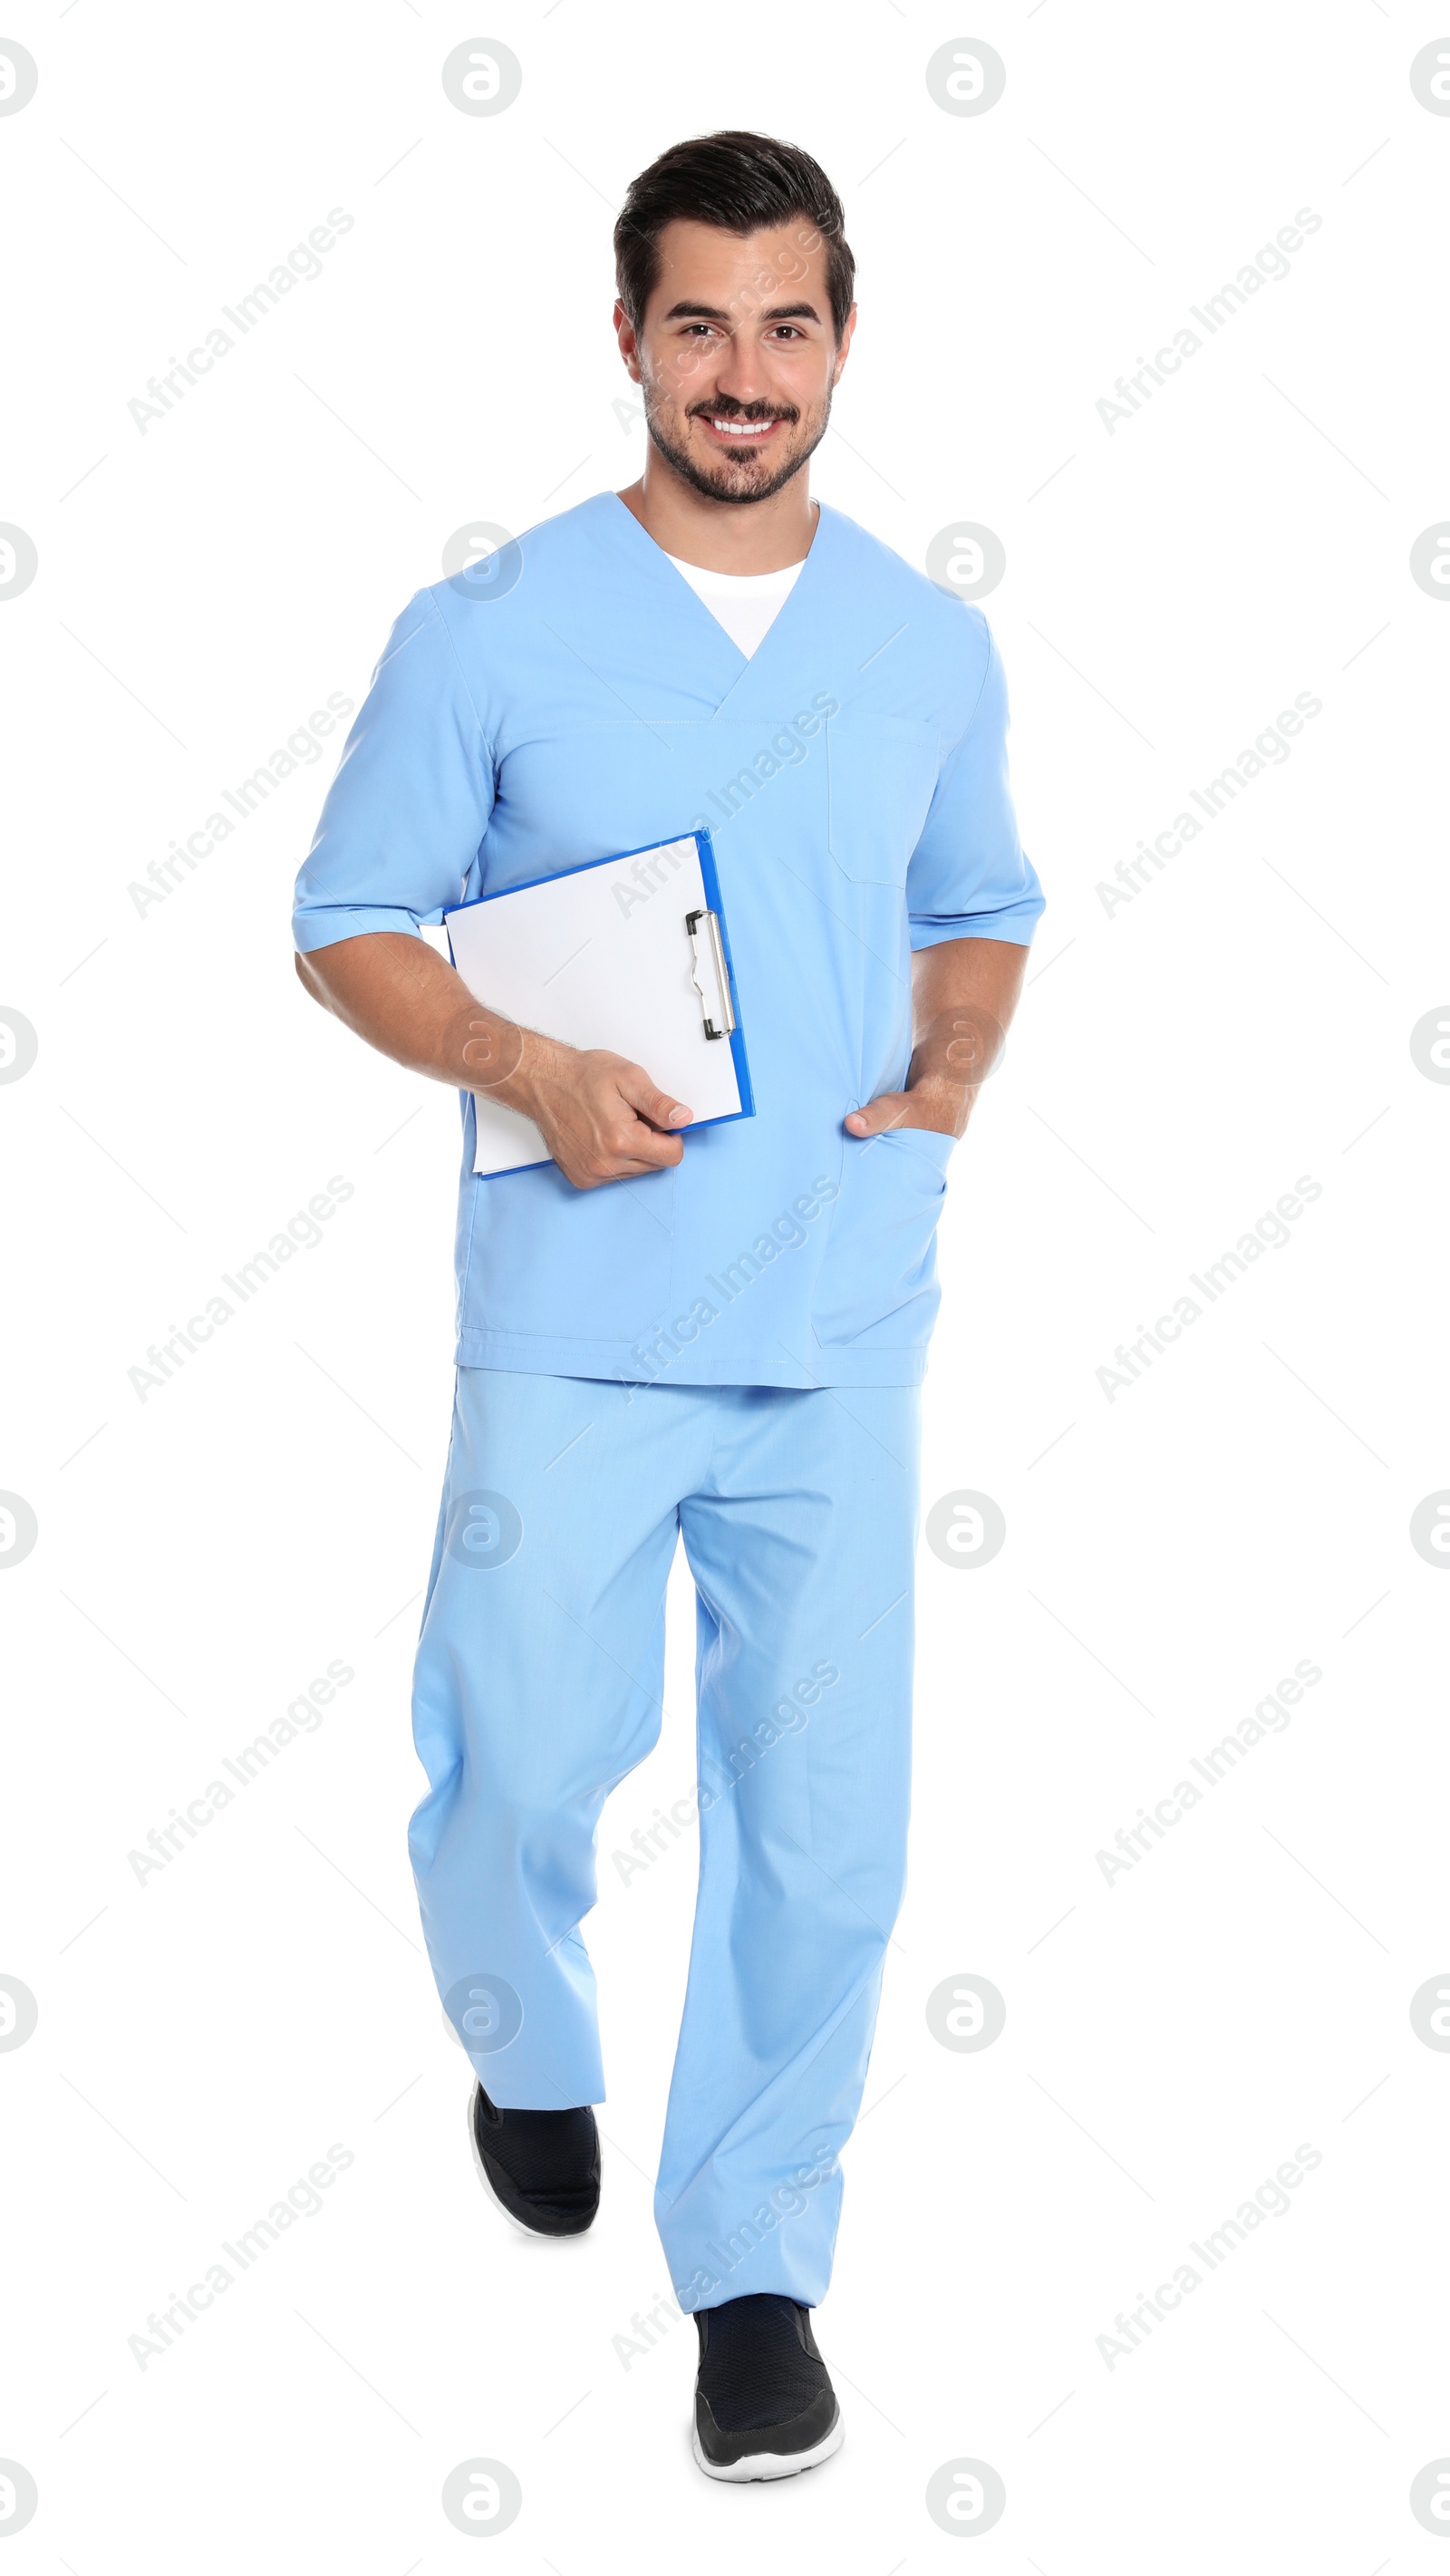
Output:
x=743 y=429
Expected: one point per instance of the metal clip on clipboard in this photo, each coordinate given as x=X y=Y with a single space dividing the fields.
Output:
x=722 y=973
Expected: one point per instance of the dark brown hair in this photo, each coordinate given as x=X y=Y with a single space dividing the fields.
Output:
x=744 y=183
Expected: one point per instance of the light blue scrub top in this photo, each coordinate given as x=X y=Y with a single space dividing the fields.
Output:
x=853 y=778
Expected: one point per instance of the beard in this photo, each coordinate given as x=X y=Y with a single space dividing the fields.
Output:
x=743 y=478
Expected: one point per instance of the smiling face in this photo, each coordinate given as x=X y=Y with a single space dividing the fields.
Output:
x=737 y=357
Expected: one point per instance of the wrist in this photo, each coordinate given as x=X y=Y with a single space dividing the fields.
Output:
x=486 y=1053
x=940 y=1102
x=528 y=1061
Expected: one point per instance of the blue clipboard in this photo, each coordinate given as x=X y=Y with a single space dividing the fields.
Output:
x=631 y=951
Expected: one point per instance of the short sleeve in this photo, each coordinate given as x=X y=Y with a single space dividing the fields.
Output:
x=968 y=877
x=409 y=806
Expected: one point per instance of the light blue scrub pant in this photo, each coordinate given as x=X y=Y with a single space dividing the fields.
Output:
x=537 y=1690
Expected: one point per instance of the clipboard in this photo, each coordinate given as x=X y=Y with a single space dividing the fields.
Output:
x=630 y=953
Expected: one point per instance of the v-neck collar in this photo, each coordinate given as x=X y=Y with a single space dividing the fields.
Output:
x=744 y=666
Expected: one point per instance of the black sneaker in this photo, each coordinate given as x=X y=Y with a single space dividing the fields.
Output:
x=764 y=2404
x=542 y=2167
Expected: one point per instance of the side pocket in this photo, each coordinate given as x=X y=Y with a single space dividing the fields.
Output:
x=879 y=1274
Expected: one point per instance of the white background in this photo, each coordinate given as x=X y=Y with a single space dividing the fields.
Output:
x=1171 y=2037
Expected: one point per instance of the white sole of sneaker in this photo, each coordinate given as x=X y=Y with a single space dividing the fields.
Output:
x=772 y=2464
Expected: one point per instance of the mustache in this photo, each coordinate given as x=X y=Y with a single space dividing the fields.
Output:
x=729 y=410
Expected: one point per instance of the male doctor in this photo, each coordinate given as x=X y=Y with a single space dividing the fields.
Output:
x=718 y=1336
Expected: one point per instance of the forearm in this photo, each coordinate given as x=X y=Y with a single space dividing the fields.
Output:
x=963 y=994
x=408 y=1002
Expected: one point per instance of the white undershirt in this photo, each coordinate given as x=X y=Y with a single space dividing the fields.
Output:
x=746 y=604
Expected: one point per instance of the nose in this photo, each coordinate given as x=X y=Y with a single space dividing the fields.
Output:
x=740 y=374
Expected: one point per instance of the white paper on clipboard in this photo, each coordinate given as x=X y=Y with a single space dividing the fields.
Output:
x=603 y=957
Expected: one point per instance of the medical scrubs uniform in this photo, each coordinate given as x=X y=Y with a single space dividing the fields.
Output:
x=729 y=1351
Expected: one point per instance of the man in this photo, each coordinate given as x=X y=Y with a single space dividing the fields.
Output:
x=719 y=1335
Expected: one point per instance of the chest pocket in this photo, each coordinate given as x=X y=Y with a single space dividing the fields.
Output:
x=882 y=772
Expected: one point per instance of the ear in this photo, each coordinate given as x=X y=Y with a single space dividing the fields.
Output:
x=628 y=339
x=844 y=350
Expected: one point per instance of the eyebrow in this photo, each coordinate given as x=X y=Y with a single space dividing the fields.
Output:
x=770 y=313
